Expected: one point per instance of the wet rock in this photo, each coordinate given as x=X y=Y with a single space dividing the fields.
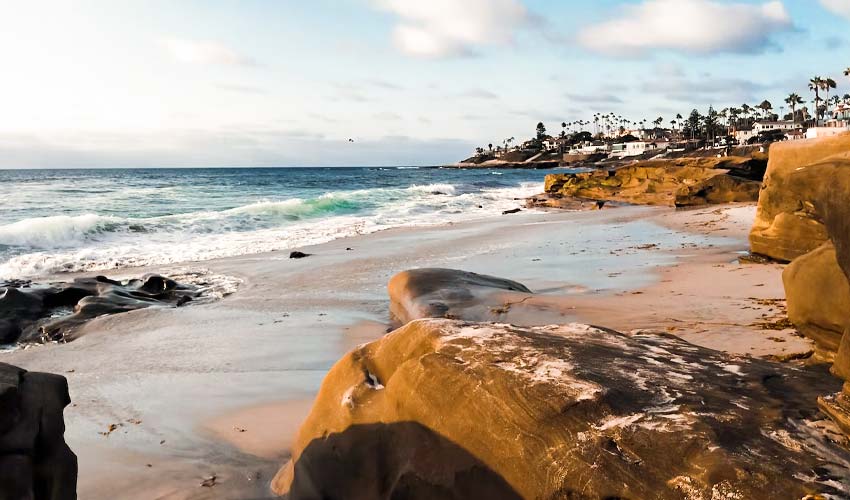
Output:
x=442 y=293
x=298 y=255
x=445 y=409
x=683 y=182
x=35 y=312
x=790 y=218
x=35 y=461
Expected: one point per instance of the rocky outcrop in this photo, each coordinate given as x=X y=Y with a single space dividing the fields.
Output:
x=446 y=293
x=789 y=221
x=718 y=189
x=35 y=461
x=680 y=182
x=451 y=409
x=31 y=312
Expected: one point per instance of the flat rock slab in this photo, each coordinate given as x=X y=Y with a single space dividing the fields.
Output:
x=452 y=409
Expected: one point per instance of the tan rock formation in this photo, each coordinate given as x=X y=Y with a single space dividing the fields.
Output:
x=450 y=409
x=788 y=221
x=682 y=182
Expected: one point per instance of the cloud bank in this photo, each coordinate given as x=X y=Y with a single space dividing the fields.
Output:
x=701 y=27
x=840 y=7
x=204 y=52
x=444 y=28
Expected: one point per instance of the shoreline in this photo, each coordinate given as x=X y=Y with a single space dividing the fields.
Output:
x=192 y=375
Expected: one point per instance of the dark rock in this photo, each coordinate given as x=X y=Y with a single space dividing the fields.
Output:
x=25 y=313
x=512 y=211
x=299 y=255
x=35 y=461
x=439 y=293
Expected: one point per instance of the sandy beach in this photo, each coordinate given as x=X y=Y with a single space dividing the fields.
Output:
x=215 y=392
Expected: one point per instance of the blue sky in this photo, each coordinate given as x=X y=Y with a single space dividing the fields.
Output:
x=152 y=83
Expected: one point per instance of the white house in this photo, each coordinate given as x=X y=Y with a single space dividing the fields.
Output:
x=764 y=126
x=828 y=131
x=744 y=135
x=627 y=149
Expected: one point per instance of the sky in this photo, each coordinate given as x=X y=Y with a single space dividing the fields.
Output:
x=195 y=83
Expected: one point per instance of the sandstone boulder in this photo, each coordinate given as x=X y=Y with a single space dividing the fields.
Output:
x=818 y=296
x=446 y=293
x=450 y=409
x=35 y=461
x=790 y=219
x=685 y=181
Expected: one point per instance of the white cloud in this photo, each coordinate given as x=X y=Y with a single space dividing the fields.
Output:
x=204 y=52
x=689 y=26
x=441 y=28
x=840 y=7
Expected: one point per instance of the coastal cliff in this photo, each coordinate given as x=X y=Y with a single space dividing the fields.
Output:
x=679 y=182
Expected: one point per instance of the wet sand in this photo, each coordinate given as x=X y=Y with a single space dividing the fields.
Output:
x=219 y=389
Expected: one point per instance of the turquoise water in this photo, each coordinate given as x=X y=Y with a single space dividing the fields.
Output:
x=84 y=220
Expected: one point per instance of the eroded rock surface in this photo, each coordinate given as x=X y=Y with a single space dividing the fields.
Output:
x=680 y=182
x=451 y=409
x=35 y=461
x=446 y=293
x=790 y=218
x=52 y=312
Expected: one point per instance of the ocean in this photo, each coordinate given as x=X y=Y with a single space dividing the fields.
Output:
x=54 y=221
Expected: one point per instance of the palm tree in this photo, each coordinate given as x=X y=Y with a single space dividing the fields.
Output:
x=793 y=100
x=746 y=109
x=815 y=84
x=828 y=83
x=765 y=106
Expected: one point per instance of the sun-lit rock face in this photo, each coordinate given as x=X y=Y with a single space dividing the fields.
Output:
x=790 y=217
x=452 y=409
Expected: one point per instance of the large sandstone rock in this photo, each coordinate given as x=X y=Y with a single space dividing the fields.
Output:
x=682 y=182
x=446 y=293
x=818 y=296
x=835 y=205
x=35 y=461
x=450 y=409
x=790 y=219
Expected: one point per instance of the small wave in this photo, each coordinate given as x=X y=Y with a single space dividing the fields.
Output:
x=432 y=189
x=58 y=231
